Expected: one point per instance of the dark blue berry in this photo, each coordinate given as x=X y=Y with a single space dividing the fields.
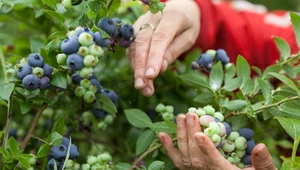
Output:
x=99 y=113
x=12 y=133
x=247 y=160
x=115 y=33
x=59 y=152
x=47 y=70
x=126 y=31
x=112 y=95
x=222 y=56
x=50 y=165
x=24 y=70
x=76 y=2
x=107 y=25
x=204 y=60
x=31 y=82
x=124 y=42
x=117 y=20
x=228 y=128
x=216 y=119
x=75 y=62
x=250 y=146
x=146 y=2
x=35 y=60
x=76 y=78
x=74 y=153
x=44 y=83
x=96 y=83
x=84 y=29
x=70 y=45
x=65 y=141
x=102 y=42
x=92 y=76
x=246 y=133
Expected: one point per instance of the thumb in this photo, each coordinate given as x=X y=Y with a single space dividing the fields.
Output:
x=261 y=158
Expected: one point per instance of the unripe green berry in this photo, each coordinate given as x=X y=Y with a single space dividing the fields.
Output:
x=240 y=153
x=61 y=59
x=102 y=125
x=219 y=116
x=17 y=66
x=71 y=33
x=240 y=143
x=85 y=83
x=192 y=110
x=20 y=133
x=87 y=116
x=216 y=138
x=95 y=50
x=92 y=160
x=11 y=73
x=236 y=160
x=24 y=61
x=231 y=160
x=160 y=5
x=200 y=112
x=212 y=53
x=85 y=39
x=209 y=110
x=85 y=72
x=228 y=146
x=32 y=160
x=105 y=157
x=85 y=166
x=108 y=119
x=153 y=8
x=80 y=91
x=160 y=108
x=93 y=89
x=67 y=3
x=233 y=135
x=209 y=132
x=97 y=166
x=76 y=166
x=240 y=165
x=169 y=109
x=89 y=61
x=83 y=51
x=222 y=129
x=167 y=116
x=205 y=120
x=215 y=127
x=89 y=97
x=38 y=71
x=69 y=163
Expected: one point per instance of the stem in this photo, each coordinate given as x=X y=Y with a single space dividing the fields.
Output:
x=140 y=158
x=295 y=147
x=34 y=123
x=2 y=62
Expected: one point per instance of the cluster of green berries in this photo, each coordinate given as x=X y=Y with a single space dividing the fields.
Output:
x=34 y=73
x=166 y=111
x=154 y=5
x=102 y=161
x=207 y=60
x=235 y=146
x=105 y=118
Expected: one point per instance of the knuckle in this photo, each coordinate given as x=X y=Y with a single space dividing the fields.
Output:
x=160 y=35
x=196 y=162
x=181 y=138
x=141 y=39
x=173 y=53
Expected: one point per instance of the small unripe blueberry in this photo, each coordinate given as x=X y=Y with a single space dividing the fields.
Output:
x=192 y=109
x=80 y=91
x=160 y=108
x=228 y=146
x=85 y=72
x=209 y=132
x=85 y=83
x=205 y=120
x=200 y=112
x=89 y=97
x=83 y=51
x=209 y=110
x=105 y=157
x=38 y=71
x=108 y=119
x=92 y=160
x=240 y=143
x=85 y=39
x=233 y=135
x=61 y=59
x=95 y=50
x=219 y=116
x=169 y=109
x=89 y=61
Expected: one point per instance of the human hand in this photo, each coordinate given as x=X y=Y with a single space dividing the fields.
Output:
x=197 y=151
x=176 y=30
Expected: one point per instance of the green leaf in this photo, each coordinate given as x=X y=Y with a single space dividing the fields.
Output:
x=161 y=127
x=138 y=118
x=272 y=68
x=55 y=15
x=23 y=161
x=94 y=6
x=229 y=73
x=59 y=79
x=13 y=145
x=283 y=47
x=296 y=24
x=284 y=143
x=233 y=84
x=6 y=90
x=247 y=87
x=242 y=68
x=103 y=102
x=235 y=104
x=114 y=7
x=36 y=44
x=4 y=152
x=216 y=76
x=51 y=3
x=237 y=122
x=123 y=166
x=59 y=125
x=156 y=165
x=289 y=69
x=68 y=153
x=265 y=88
x=144 y=141
x=194 y=80
x=257 y=70
x=205 y=97
x=55 y=139
x=25 y=107
x=291 y=126
x=286 y=81
x=171 y=125
x=288 y=164
x=43 y=151
x=290 y=110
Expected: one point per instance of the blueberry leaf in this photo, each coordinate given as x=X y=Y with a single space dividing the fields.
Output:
x=283 y=47
x=243 y=68
x=6 y=90
x=4 y=152
x=171 y=125
x=55 y=15
x=235 y=104
x=161 y=127
x=24 y=107
x=286 y=81
x=43 y=151
x=265 y=88
x=103 y=102
x=144 y=141
x=23 y=160
x=13 y=145
x=114 y=7
x=59 y=125
x=59 y=79
x=194 y=80
x=296 y=24
x=291 y=126
x=55 y=139
x=123 y=166
x=216 y=76
x=288 y=164
x=50 y=3
x=205 y=97
x=138 y=118
x=233 y=84
x=156 y=165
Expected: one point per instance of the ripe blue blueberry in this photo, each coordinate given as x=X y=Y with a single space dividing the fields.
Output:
x=102 y=42
x=65 y=141
x=74 y=153
x=117 y=20
x=59 y=152
x=250 y=146
x=35 y=60
x=47 y=70
x=124 y=42
x=247 y=160
x=111 y=94
x=24 y=70
x=247 y=133
x=70 y=45
x=50 y=165
x=222 y=56
x=99 y=113
x=44 y=83
x=96 y=83
x=76 y=78
x=84 y=29
x=107 y=25
x=31 y=82
x=75 y=62
x=126 y=31
x=204 y=60
x=146 y=2
x=228 y=128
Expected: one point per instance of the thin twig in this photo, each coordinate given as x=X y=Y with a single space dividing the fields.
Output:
x=8 y=120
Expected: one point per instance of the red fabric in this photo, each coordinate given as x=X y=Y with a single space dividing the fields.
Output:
x=242 y=32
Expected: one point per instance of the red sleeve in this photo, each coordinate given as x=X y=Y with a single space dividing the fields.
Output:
x=244 y=32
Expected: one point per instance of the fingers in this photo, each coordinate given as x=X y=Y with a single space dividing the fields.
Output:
x=171 y=151
x=182 y=139
x=261 y=158
x=149 y=89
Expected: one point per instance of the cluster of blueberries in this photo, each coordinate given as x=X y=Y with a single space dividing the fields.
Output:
x=166 y=111
x=235 y=146
x=207 y=60
x=58 y=155
x=154 y=5
x=34 y=73
x=102 y=161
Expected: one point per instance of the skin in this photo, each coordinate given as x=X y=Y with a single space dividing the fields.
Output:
x=196 y=151
x=153 y=50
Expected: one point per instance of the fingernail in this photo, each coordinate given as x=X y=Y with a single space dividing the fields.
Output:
x=149 y=72
x=190 y=119
x=147 y=91
x=261 y=154
x=139 y=82
x=165 y=65
x=161 y=137
x=199 y=138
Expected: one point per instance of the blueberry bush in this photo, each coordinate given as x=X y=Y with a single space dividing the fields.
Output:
x=68 y=102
